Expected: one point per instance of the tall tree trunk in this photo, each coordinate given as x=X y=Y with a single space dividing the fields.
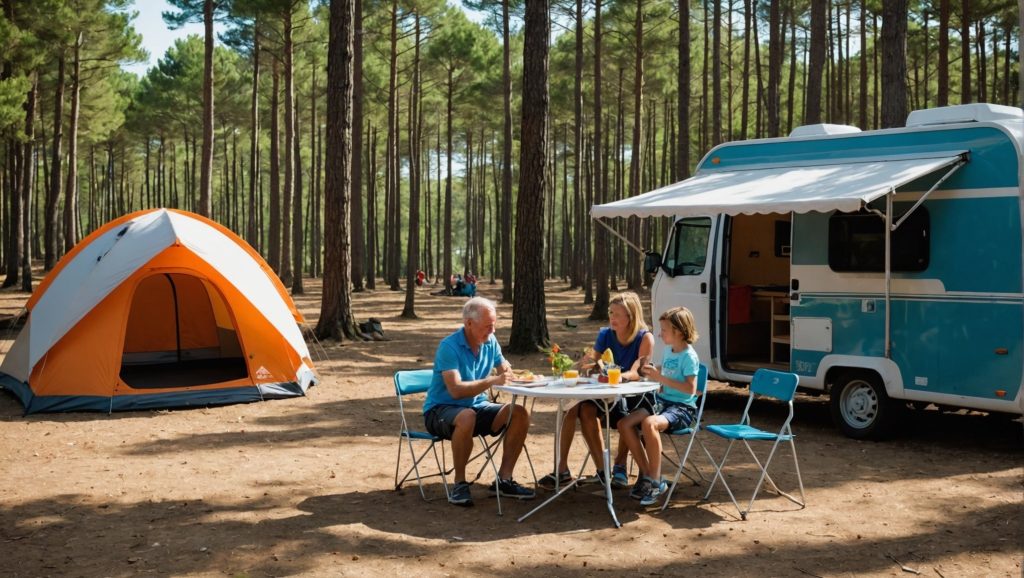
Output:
x=290 y=174
x=790 y=102
x=965 y=52
x=745 y=102
x=942 y=98
x=862 y=104
x=206 y=180
x=636 y=149
x=391 y=176
x=601 y=297
x=71 y=186
x=529 y=316
x=371 y=211
x=28 y=177
x=716 y=73
x=982 y=64
x=274 y=235
x=336 y=318
x=577 y=141
x=774 y=104
x=52 y=250
x=683 y=89
x=298 y=255
x=359 y=268
x=816 y=66
x=254 y=142
x=412 y=258
x=894 y=63
x=446 y=270
x=506 y=158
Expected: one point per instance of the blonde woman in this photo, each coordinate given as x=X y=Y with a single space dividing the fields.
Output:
x=631 y=344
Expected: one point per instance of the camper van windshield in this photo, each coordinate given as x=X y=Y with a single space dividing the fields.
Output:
x=688 y=248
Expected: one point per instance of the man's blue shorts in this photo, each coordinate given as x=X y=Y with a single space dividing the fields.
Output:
x=440 y=419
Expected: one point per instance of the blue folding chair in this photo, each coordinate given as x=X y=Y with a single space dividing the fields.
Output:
x=771 y=384
x=682 y=457
x=412 y=382
x=417 y=381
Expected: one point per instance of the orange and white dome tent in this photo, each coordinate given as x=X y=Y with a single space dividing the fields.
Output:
x=160 y=308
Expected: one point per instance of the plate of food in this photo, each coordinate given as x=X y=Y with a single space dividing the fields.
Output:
x=525 y=377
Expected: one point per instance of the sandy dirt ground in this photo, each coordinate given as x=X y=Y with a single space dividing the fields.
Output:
x=305 y=486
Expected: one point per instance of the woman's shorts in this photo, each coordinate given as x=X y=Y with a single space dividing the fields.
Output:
x=623 y=407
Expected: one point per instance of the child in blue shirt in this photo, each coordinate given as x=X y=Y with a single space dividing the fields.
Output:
x=678 y=377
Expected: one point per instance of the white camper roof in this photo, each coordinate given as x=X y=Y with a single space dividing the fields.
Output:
x=844 y=185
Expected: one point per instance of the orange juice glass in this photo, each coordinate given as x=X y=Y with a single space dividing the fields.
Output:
x=614 y=375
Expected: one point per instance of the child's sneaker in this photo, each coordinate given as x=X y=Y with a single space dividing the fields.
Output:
x=619 y=477
x=597 y=478
x=654 y=492
x=641 y=488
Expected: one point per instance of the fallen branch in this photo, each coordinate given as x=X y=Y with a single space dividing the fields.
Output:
x=902 y=567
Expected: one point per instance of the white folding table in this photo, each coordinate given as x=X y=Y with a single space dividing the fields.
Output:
x=606 y=396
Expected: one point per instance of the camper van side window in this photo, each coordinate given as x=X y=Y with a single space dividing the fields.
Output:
x=856 y=242
x=687 y=251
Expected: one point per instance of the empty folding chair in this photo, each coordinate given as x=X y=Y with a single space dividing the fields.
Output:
x=680 y=459
x=771 y=384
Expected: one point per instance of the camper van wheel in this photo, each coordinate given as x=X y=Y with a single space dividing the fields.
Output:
x=860 y=407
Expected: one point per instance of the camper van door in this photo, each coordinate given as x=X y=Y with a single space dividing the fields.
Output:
x=688 y=277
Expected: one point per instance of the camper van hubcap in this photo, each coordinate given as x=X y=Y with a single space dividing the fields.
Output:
x=859 y=404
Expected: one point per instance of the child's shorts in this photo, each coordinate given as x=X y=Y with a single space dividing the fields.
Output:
x=679 y=415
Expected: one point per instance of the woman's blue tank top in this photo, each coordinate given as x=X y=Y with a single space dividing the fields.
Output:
x=625 y=355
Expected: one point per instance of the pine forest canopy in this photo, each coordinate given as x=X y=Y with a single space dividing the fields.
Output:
x=242 y=131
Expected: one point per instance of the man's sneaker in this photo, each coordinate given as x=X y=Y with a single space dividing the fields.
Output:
x=460 y=495
x=654 y=492
x=549 y=481
x=511 y=489
x=641 y=488
x=619 y=477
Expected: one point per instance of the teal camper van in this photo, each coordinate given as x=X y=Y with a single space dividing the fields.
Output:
x=882 y=267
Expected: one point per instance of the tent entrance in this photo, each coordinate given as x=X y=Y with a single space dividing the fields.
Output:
x=180 y=333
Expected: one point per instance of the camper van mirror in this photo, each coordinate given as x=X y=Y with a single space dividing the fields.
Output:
x=652 y=261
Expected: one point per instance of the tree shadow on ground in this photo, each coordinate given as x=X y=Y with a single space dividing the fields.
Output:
x=272 y=537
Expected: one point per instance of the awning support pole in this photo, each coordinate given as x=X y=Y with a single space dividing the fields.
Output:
x=948 y=174
x=640 y=250
x=888 y=270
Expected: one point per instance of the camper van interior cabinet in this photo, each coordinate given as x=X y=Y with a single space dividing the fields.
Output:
x=884 y=268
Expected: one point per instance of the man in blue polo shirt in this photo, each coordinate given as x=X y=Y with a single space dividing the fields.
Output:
x=457 y=408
